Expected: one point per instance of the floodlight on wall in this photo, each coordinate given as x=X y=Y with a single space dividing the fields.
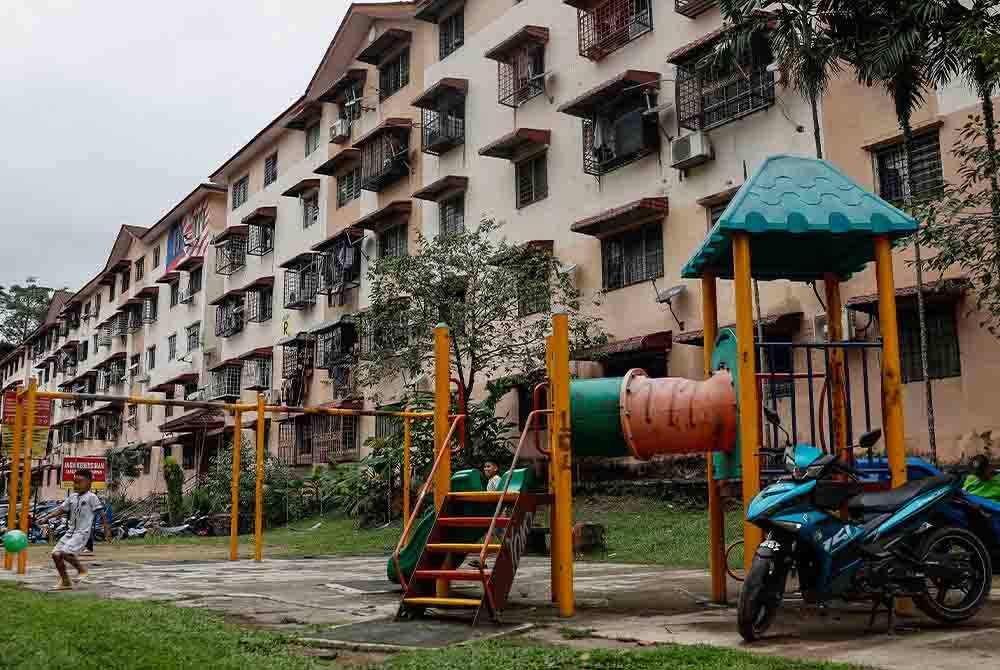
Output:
x=566 y=269
x=667 y=297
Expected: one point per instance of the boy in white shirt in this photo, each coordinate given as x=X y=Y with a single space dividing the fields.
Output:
x=81 y=506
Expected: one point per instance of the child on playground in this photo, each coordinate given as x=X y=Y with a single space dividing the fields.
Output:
x=491 y=472
x=81 y=506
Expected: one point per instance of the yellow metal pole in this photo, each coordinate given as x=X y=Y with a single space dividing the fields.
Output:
x=553 y=461
x=258 y=552
x=29 y=428
x=835 y=333
x=442 y=408
x=234 y=513
x=892 y=389
x=748 y=396
x=563 y=530
x=716 y=518
x=406 y=470
x=15 y=473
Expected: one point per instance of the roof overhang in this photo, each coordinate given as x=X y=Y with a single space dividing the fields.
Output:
x=148 y=292
x=227 y=296
x=432 y=11
x=258 y=283
x=654 y=342
x=229 y=233
x=303 y=187
x=781 y=325
x=351 y=233
x=340 y=322
x=308 y=113
x=336 y=92
x=169 y=278
x=298 y=260
x=517 y=143
x=345 y=160
x=300 y=337
x=190 y=263
x=120 y=266
x=262 y=216
x=612 y=221
x=527 y=35
x=182 y=379
x=443 y=188
x=387 y=216
x=935 y=292
x=379 y=49
x=696 y=48
x=259 y=352
x=587 y=105
x=395 y=124
x=200 y=419
x=228 y=363
x=446 y=92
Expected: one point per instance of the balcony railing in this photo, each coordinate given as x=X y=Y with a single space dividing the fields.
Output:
x=229 y=319
x=620 y=142
x=257 y=374
x=611 y=25
x=692 y=8
x=385 y=157
x=225 y=382
x=231 y=255
x=441 y=131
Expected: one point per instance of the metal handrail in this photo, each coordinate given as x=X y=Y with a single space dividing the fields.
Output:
x=536 y=402
x=462 y=411
x=503 y=495
x=420 y=499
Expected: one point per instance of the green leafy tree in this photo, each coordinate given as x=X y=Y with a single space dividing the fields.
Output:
x=174 y=476
x=125 y=465
x=279 y=505
x=22 y=309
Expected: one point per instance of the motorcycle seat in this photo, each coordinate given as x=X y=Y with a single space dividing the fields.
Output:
x=886 y=502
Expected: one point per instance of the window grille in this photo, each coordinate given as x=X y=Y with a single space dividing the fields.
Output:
x=133 y=318
x=943 y=355
x=394 y=74
x=126 y=281
x=709 y=96
x=388 y=426
x=451 y=34
x=520 y=76
x=257 y=374
x=241 y=191
x=260 y=241
x=151 y=358
x=231 y=255
x=335 y=438
x=156 y=256
x=451 y=214
x=116 y=373
x=259 y=304
x=300 y=284
x=312 y=138
x=531 y=180
x=133 y=424
x=140 y=268
x=385 y=159
x=612 y=24
x=193 y=336
x=229 y=318
x=149 y=310
x=194 y=281
x=925 y=161
x=385 y=338
x=342 y=381
x=83 y=350
x=295 y=354
x=392 y=241
x=348 y=187
x=534 y=295
x=692 y=8
x=633 y=256
x=168 y=410
x=175 y=293
x=270 y=169
x=172 y=347
x=335 y=346
x=310 y=211
x=442 y=129
x=349 y=107
x=286 y=441
x=119 y=325
x=339 y=267
x=226 y=382
x=620 y=135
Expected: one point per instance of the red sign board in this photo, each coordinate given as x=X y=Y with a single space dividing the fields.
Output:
x=96 y=464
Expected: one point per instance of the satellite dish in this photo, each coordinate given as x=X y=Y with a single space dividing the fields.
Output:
x=665 y=297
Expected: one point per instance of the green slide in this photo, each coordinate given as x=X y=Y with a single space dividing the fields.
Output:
x=464 y=480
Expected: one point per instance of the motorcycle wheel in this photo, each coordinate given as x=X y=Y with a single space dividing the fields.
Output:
x=761 y=596
x=952 y=603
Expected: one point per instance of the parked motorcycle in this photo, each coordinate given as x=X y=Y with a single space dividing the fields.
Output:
x=898 y=543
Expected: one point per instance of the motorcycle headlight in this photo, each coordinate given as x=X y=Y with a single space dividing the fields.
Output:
x=814 y=471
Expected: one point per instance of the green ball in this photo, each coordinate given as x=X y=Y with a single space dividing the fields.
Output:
x=14 y=541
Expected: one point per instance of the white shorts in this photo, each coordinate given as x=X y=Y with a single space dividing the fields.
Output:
x=72 y=543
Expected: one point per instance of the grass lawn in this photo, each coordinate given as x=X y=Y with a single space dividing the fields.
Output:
x=86 y=633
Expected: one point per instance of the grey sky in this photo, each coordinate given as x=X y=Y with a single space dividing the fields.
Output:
x=112 y=110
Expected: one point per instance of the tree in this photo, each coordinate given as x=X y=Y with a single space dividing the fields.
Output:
x=806 y=54
x=22 y=309
x=174 y=476
x=497 y=298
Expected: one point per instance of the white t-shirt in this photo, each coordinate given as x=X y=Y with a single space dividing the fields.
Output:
x=80 y=511
x=494 y=483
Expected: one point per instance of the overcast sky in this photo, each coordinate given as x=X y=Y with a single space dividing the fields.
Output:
x=113 y=110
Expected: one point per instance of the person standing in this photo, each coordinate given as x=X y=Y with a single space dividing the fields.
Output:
x=491 y=472
x=983 y=481
x=81 y=506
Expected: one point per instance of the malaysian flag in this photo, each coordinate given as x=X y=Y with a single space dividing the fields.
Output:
x=188 y=238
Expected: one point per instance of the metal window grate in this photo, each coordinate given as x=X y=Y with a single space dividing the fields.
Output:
x=611 y=25
x=241 y=190
x=312 y=138
x=257 y=374
x=270 y=169
x=286 y=441
x=392 y=242
x=229 y=318
x=709 y=96
x=150 y=308
x=172 y=347
x=335 y=438
x=632 y=257
x=442 y=130
x=394 y=74
x=231 y=255
x=295 y=354
x=692 y=8
x=385 y=159
x=388 y=426
x=619 y=137
x=348 y=187
x=532 y=181
x=383 y=339
x=260 y=239
x=451 y=34
x=193 y=336
x=226 y=382
x=451 y=215
x=310 y=211
x=943 y=355
x=925 y=161
x=335 y=346
x=259 y=304
x=119 y=325
x=300 y=285
x=134 y=318
x=522 y=76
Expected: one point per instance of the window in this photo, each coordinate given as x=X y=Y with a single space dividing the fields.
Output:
x=126 y=280
x=531 y=180
x=147 y=457
x=334 y=438
x=349 y=186
x=388 y=426
x=394 y=74
x=925 y=161
x=392 y=242
x=241 y=191
x=349 y=107
x=97 y=343
x=259 y=305
x=633 y=256
x=709 y=95
x=82 y=351
x=943 y=359
x=198 y=225
x=97 y=304
x=156 y=256
x=151 y=357
x=140 y=268
x=312 y=138
x=451 y=215
x=451 y=33
x=261 y=239
x=385 y=158
x=310 y=211
x=168 y=410
x=520 y=67
x=149 y=413
x=133 y=422
x=621 y=133
x=271 y=169
x=194 y=281
x=111 y=290
x=172 y=347
x=150 y=308
x=533 y=293
x=175 y=289
x=193 y=333
x=607 y=26
x=187 y=457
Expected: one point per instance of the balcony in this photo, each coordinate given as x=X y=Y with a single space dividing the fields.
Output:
x=339 y=263
x=605 y=26
x=257 y=369
x=692 y=8
x=259 y=299
x=618 y=127
x=520 y=65
x=229 y=317
x=119 y=325
x=231 y=250
x=335 y=342
x=301 y=280
x=297 y=354
x=225 y=380
x=442 y=115
x=260 y=230
x=385 y=154
x=711 y=95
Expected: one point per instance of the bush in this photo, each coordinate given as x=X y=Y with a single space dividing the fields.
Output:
x=174 y=476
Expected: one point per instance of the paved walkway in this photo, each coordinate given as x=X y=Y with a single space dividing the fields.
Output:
x=617 y=604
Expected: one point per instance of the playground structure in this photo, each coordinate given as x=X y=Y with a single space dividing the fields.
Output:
x=805 y=221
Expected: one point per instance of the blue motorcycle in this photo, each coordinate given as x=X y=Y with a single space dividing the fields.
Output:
x=897 y=543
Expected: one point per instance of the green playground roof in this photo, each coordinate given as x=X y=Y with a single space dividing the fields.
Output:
x=806 y=218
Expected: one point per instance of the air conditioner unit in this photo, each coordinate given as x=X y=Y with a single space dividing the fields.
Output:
x=184 y=296
x=822 y=333
x=690 y=151
x=340 y=131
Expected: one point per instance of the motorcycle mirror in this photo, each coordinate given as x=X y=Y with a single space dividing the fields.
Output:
x=772 y=416
x=869 y=439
